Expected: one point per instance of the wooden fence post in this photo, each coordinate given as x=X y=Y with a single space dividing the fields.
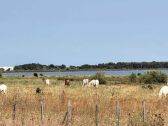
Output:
x=97 y=114
x=143 y=111
x=14 y=111
x=97 y=110
x=41 y=110
x=23 y=116
x=65 y=117
x=69 y=114
x=117 y=113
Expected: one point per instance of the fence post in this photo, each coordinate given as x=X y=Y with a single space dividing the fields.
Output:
x=144 y=110
x=117 y=113
x=69 y=114
x=62 y=97
x=97 y=110
x=97 y=114
x=65 y=117
x=14 y=111
x=41 y=110
x=23 y=116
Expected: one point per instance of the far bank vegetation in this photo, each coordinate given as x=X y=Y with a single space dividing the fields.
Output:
x=101 y=66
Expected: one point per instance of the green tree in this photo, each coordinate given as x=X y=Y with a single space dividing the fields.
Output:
x=133 y=78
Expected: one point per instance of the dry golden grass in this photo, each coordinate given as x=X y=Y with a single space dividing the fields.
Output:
x=21 y=91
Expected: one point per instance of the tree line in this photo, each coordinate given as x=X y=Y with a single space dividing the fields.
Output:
x=102 y=66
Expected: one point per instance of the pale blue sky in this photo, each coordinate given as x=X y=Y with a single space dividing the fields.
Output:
x=76 y=32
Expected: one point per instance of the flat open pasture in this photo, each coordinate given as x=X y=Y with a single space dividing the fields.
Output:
x=107 y=105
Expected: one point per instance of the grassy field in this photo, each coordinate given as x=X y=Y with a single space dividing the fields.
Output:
x=128 y=105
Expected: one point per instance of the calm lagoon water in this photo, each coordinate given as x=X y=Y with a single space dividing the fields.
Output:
x=113 y=72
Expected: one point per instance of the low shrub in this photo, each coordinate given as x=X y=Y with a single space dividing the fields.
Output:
x=138 y=74
x=153 y=77
x=99 y=76
x=132 y=78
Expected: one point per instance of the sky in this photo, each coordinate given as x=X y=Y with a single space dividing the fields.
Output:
x=77 y=32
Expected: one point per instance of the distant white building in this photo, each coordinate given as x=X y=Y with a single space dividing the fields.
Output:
x=7 y=68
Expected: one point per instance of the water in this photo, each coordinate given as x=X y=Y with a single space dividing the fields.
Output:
x=113 y=72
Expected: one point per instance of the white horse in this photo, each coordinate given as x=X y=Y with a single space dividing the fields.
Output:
x=163 y=91
x=3 y=88
x=46 y=81
x=94 y=83
x=85 y=82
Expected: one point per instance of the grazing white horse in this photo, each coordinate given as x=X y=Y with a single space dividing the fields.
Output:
x=3 y=88
x=85 y=82
x=94 y=83
x=47 y=81
x=163 y=91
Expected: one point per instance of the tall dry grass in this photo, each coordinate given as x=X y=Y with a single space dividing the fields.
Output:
x=21 y=94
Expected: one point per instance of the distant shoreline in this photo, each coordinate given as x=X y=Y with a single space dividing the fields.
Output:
x=98 y=70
